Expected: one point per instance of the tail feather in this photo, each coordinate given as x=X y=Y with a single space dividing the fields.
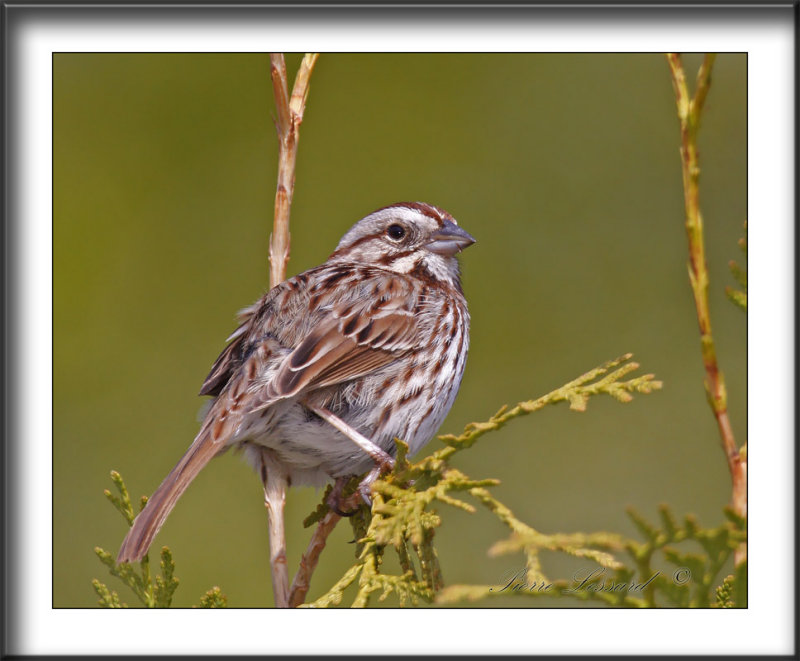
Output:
x=151 y=518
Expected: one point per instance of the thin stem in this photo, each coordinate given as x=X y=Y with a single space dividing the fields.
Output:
x=689 y=114
x=301 y=84
x=308 y=563
x=290 y=112
x=289 y=116
x=275 y=480
x=280 y=88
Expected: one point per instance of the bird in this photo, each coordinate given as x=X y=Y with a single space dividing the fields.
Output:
x=329 y=367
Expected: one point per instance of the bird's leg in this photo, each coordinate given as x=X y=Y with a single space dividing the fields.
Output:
x=379 y=456
x=383 y=460
x=337 y=504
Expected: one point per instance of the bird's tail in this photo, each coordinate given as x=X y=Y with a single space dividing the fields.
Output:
x=152 y=517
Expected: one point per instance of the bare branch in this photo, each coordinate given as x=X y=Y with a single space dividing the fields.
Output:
x=308 y=563
x=689 y=111
x=289 y=117
x=276 y=483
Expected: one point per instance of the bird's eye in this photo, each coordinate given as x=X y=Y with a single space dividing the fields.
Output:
x=395 y=232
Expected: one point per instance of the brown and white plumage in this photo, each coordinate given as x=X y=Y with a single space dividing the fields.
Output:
x=377 y=337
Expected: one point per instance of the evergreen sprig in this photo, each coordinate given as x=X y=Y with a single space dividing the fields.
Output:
x=576 y=392
x=640 y=584
x=213 y=599
x=739 y=296
x=404 y=516
x=152 y=592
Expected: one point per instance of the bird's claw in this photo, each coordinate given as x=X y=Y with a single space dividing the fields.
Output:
x=365 y=491
x=335 y=498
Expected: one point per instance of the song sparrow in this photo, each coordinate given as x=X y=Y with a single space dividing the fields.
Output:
x=333 y=364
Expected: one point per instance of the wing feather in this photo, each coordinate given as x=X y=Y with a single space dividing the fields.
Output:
x=353 y=341
x=230 y=359
x=372 y=325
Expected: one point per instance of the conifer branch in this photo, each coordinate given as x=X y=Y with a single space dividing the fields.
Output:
x=152 y=592
x=404 y=516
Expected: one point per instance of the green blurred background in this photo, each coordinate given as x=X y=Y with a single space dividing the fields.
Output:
x=564 y=167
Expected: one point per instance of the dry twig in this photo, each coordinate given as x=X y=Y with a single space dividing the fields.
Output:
x=289 y=116
x=308 y=563
x=275 y=484
x=689 y=114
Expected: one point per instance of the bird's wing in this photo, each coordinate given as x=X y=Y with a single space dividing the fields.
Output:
x=354 y=337
x=230 y=359
x=372 y=323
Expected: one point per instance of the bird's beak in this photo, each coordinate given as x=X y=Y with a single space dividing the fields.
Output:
x=449 y=239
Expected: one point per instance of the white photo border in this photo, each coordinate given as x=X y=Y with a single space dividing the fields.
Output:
x=766 y=34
